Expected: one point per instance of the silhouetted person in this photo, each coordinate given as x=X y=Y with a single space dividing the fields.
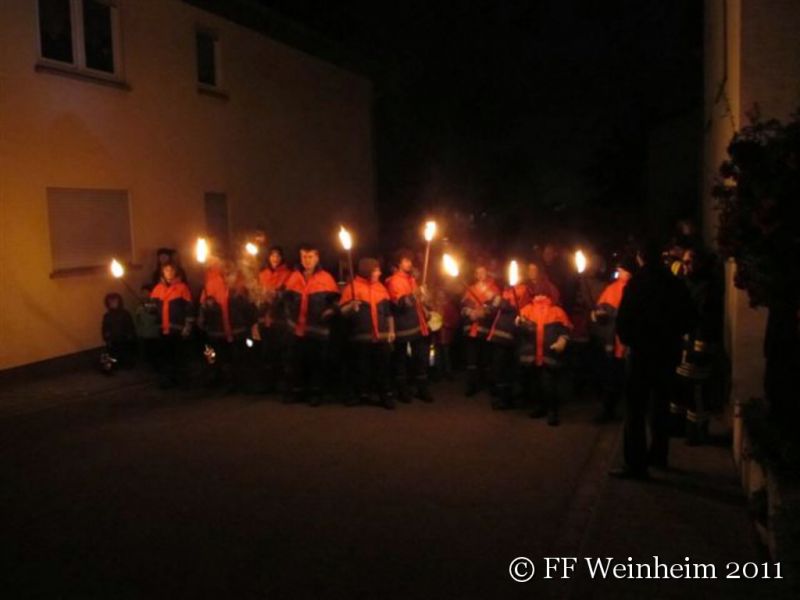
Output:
x=654 y=314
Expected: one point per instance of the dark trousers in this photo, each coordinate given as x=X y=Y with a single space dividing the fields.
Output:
x=649 y=388
x=371 y=367
x=478 y=357
x=611 y=380
x=232 y=364
x=541 y=386
x=414 y=368
x=308 y=358
x=172 y=351
x=274 y=357
x=503 y=367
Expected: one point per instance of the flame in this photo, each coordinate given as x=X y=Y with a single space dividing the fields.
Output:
x=249 y=342
x=580 y=261
x=513 y=273
x=251 y=249
x=430 y=230
x=345 y=238
x=117 y=270
x=450 y=265
x=201 y=250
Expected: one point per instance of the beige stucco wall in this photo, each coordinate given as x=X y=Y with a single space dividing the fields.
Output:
x=763 y=66
x=291 y=148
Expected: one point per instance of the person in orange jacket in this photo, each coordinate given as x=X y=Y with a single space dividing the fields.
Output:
x=411 y=327
x=311 y=299
x=544 y=333
x=478 y=310
x=175 y=312
x=611 y=368
x=371 y=333
x=227 y=316
x=272 y=329
x=502 y=340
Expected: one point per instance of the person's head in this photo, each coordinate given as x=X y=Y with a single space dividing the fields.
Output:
x=549 y=253
x=309 y=257
x=369 y=269
x=113 y=301
x=275 y=257
x=168 y=272
x=164 y=255
x=481 y=273
x=649 y=254
x=404 y=260
x=533 y=271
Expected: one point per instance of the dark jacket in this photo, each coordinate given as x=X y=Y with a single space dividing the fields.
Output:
x=118 y=326
x=174 y=305
x=655 y=313
x=541 y=324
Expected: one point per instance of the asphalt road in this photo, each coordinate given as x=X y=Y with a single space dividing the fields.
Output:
x=137 y=493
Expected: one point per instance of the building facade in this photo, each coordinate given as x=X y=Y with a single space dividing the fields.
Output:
x=752 y=57
x=128 y=125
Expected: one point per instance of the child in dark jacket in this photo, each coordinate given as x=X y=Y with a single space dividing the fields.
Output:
x=119 y=333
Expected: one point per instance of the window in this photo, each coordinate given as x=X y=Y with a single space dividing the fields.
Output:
x=80 y=35
x=88 y=227
x=207 y=59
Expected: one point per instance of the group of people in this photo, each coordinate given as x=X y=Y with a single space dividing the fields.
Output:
x=374 y=340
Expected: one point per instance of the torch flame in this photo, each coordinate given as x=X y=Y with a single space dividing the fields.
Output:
x=430 y=230
x=450 y=265
x=117 y=270
x=251 y=249
x=201 y=250
x=513 y=273
x=345 y=238
x=580 y=261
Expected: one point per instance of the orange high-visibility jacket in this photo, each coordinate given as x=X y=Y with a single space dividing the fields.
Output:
x=306 y=300
x=371 y=321
x=409 y=315
x=479 y=295
x=174 y=302
x=543 y=323
x=609 y=302
x=273 y=281
x=503 y=329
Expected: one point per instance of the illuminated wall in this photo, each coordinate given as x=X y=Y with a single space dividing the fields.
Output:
x=290 y=146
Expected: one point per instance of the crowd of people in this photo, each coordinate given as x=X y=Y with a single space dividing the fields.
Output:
x=262 y=325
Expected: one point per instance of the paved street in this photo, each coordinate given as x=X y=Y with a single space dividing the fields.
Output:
x=131 y=492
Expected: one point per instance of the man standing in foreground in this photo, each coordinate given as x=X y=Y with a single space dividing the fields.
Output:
x=654 y=314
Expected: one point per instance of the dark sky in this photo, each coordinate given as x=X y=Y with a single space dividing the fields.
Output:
x=505 y=109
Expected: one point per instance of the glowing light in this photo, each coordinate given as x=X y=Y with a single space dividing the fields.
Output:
x=580 y=261
x=251 y=249
x=345 y=238
x=249 y=342
x=616 y=274
x=117 y=270
x=513 y=273
x=201 y=250
x=430 y=230
x=450 y=265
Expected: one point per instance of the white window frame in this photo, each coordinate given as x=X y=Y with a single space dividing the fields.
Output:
x=78 y=65
x=218 y=88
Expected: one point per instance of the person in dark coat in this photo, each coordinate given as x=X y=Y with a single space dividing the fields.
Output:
x=118 y=330
x=654 y=314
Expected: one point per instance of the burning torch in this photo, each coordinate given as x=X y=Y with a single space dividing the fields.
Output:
x=201 y=250
x=450 y=265
x=118 y=272
x=429 y=234
x=347 y=243
x=580 y=265
x=513 y=280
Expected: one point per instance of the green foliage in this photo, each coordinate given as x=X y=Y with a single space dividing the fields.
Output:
x=758 y=194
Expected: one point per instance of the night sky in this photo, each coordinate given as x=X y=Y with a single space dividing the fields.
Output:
x=506 y=113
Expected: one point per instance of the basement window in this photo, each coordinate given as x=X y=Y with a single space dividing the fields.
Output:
x=88 y=227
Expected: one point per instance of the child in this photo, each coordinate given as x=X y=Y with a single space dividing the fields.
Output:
x=146 y=319
x=118 y=331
